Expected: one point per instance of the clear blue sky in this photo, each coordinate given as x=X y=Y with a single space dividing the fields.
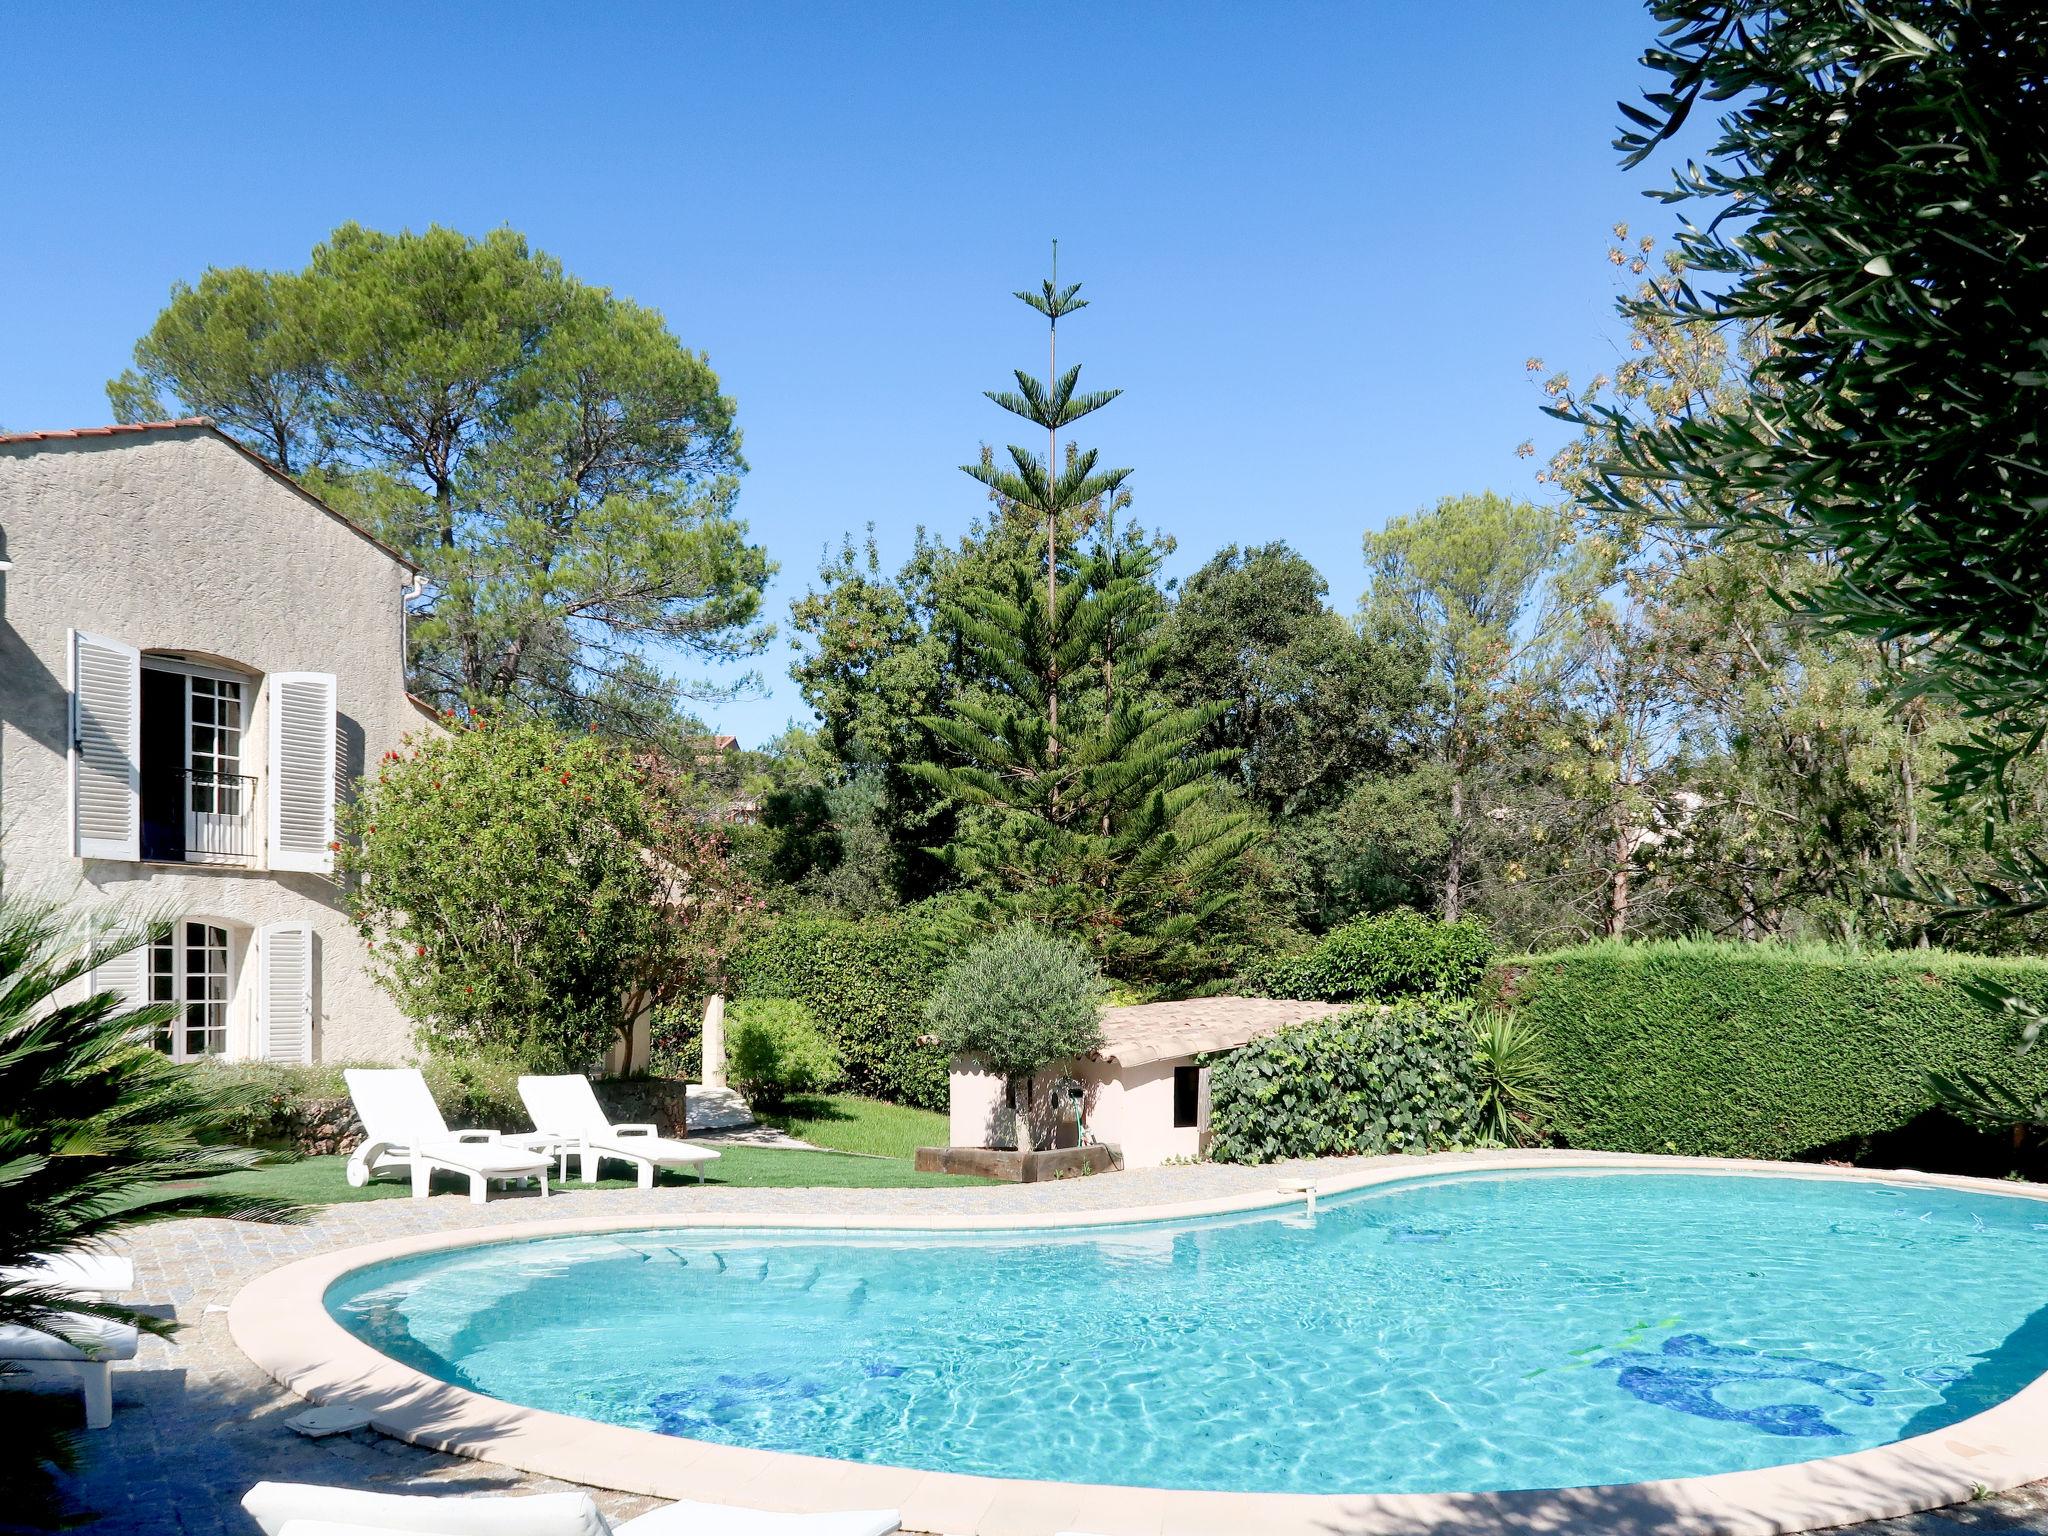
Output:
x=1321 y=239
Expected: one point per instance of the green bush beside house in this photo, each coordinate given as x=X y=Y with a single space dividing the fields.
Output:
x=866 y=983
x=1756 y=1050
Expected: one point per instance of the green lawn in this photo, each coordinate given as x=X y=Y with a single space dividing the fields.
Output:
x=322 y=1181
x=847 y=1124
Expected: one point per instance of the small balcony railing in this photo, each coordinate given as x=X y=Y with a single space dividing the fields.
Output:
x=194 y=816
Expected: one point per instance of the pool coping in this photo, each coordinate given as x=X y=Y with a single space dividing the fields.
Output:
x=280 y=1321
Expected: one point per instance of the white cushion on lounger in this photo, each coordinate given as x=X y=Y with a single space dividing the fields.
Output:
x=104 y=1339
x=97 y=1274
x=566 y=1105
x=274 y=1506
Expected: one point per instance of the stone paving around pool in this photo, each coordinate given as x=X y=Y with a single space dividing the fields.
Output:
x=195 y=1423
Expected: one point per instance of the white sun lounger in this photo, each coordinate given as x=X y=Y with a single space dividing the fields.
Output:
x=567 y=1108
x=79 y=1274
x=302 y=1509
x=403 y=1128
x=87 y=1350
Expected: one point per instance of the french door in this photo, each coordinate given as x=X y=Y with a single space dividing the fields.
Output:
x=217 y=798
x=188 y=967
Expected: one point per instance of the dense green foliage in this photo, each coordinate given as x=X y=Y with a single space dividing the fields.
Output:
x=1309 y=701
x=1020 y=1000
x=560 y=466
x=526 y=890
x=97 y=1132
x=774 y=1048
x=1394 y=954
x=1402 y=1078
x=1895 y=422
x=1516 y=1083
x=1467 y=580
x=866 y=984
x=1728 y=1050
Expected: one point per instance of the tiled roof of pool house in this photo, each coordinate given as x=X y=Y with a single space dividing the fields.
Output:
x=1142 y=1033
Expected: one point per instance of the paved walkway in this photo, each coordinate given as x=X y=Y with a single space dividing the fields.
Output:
x=195 y=1423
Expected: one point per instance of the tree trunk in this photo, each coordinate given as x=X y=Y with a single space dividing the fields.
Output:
x=1020 y=1105
x=1454 y=861
x=1617 y=881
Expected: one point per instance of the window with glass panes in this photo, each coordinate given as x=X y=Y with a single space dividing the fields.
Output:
x=216 y=756
x=188 y=967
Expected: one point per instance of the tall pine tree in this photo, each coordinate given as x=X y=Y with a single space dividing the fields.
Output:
x=1086 y=803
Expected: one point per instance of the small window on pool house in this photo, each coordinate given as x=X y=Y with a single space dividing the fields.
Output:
x=1187 y=1097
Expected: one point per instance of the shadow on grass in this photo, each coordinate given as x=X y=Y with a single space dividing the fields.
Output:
x=806 y=1106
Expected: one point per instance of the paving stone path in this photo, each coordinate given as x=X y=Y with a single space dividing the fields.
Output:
x=195 y=1423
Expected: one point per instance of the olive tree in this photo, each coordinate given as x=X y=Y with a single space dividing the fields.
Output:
x=1019 y=1001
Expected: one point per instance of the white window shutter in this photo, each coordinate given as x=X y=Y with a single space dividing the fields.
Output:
x=126 y=975
x=302 y=771
x=284 y=995
x=106 y=744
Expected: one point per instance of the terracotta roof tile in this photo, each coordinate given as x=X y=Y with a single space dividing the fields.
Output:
x=117 y=430
x=1141 y=1033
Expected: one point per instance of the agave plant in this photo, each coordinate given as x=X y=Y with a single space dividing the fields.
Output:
x=1989 y=1106
x=1515 y=1083
x=98 y=1132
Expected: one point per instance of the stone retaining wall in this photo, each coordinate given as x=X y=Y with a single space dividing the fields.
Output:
x=319 y=1127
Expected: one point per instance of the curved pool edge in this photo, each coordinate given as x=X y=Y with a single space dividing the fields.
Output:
x=280 y=1321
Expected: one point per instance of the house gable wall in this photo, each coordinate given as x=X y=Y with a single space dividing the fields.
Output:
x=176 y=541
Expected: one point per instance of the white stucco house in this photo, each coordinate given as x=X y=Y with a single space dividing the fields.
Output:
x=1144 y=1090
x=197 y=661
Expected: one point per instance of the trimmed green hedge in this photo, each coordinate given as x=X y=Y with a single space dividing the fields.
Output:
x=1381 y=957
x=866 y=983
x=1398 y=1079
x=1757 y=1050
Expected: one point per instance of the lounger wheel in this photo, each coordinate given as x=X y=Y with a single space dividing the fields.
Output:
x=358 y=1174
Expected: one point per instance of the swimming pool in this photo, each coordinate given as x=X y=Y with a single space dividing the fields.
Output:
x=1473 y=1331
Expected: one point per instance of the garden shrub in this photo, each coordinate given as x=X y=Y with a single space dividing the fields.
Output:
x=866 y=983
x=1397 y=1078
x=774 y=1050
x=1380 y=958
x=1758 y=1050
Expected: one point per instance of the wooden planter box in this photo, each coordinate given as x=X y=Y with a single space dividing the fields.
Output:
x=1018 y=1167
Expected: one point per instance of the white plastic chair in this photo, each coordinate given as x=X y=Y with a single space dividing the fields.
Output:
x=403 y=1128
x=86 y=1348
x=566 y=1107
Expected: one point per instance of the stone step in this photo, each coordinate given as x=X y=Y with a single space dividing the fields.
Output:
x=717 y=1109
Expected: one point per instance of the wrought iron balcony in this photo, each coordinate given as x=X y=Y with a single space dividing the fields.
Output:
x=193 y=816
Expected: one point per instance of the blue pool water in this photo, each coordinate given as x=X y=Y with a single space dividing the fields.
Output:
x=1470 y=1331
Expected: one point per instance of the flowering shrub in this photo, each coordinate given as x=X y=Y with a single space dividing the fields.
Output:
x=526 y=891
